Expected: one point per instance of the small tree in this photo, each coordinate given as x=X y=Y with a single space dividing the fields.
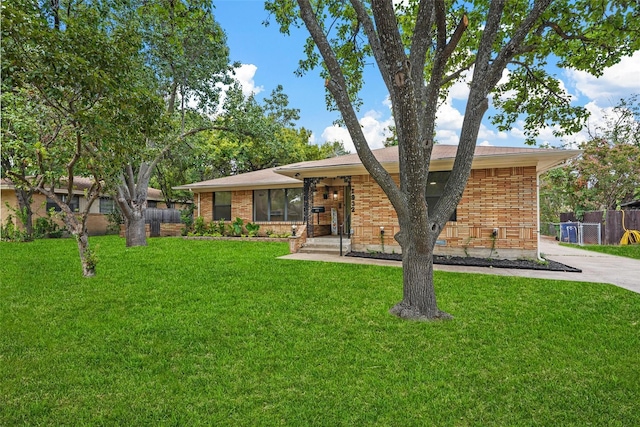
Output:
x=607 y=174
x=420 y=48
x=71 y=69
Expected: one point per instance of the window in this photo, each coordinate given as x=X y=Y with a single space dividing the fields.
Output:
x=107 y=205
x=278 y=205
x=152 y=204
x=74 y=205
x=221 y=205
x=435 y=187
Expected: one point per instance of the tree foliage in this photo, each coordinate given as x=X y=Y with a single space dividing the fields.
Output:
x=247 y=135
x=607 y=173
x=74 y=91
x=423 y=47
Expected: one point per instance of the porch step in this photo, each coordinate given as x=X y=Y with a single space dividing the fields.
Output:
x=326 y=245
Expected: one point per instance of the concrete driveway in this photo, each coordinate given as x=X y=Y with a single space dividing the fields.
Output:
x=596 y=267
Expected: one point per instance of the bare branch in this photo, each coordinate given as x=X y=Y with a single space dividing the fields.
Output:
x=559 y=31
x=420 y=42
x=365 y=20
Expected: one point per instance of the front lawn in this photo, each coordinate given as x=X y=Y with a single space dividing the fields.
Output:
x=191 y=333
x=629 y=251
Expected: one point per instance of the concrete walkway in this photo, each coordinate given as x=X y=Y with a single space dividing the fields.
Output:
x=596 y=267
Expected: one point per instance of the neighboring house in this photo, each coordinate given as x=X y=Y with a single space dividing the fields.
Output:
x=319 y=197
x=98 y=220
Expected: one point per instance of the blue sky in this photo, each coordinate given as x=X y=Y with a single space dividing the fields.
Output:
x=270 y=58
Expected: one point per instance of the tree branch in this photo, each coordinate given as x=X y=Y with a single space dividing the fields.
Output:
x=420 y=44
x=378 y=52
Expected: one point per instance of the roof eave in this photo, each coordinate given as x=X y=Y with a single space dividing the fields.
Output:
x=239 y=187
x=543 y=160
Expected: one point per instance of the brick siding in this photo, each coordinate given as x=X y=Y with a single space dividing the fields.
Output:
x=502 y=198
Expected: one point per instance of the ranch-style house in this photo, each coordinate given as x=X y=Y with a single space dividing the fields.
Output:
x=498 y=215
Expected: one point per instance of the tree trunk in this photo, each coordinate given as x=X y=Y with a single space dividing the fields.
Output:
x=87 y=257
x=26 y=214
x=418 y=292
x=135 y=232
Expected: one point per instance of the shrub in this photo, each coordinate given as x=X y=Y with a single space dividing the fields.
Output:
x=252 y=229
x=237 y=226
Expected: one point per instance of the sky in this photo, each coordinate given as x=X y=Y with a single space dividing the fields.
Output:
x=270 y=58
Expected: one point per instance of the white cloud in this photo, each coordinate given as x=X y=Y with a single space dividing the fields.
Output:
x=245 y=76
x=618 y=81
x=460 y=89
x=338 y=133
x=485 y=144
x=447 y=136
x=449 y=117
x=374 y=127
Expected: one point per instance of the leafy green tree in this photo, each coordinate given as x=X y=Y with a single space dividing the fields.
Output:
x=186 y=49
x=421 y=48
x=74 y=68
x=247 y=135
x=19 y=125
x=607 y=173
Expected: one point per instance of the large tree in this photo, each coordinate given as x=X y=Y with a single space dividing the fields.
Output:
x=420 y=48
x=186 y=49
x=259 y=135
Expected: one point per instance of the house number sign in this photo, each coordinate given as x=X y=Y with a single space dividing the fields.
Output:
x=353 y=200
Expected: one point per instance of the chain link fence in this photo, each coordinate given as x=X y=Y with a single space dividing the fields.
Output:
x=580 y=233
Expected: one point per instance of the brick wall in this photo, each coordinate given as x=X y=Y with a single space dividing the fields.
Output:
x=205 y=206
x=242 y=205
x=502 y=198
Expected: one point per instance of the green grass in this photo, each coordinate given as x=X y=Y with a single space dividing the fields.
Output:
x=222 y=333
x=629 y=251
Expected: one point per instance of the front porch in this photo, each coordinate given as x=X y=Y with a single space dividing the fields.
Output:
x=328 y=206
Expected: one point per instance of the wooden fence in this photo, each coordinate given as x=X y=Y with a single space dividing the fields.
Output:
x=164 y=216
x=156 y=217
x=612 y=229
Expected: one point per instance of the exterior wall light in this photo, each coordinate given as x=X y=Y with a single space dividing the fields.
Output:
x=335 y=195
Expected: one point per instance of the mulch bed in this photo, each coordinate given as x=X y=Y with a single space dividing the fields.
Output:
x=477 y=262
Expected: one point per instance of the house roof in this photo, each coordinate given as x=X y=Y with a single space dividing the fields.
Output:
x=80 y=184
x=442 y=158
x=266 y=178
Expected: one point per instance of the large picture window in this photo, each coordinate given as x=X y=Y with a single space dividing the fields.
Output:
x=435 y=189
x=222 y=205
x=278 y=205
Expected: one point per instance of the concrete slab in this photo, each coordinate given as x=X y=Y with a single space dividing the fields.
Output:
x=596 y=267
